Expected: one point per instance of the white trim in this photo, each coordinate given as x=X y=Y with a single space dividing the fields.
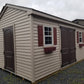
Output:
x=80 y=37
x=47 y=45
x=32 y=48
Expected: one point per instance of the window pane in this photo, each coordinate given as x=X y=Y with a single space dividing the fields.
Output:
x=46 y=42
x=50 y=29
x=46 y=33
x=50 y=33
x=50 y=42
x=46 y=29
x=47 y=38
x=80 y=34
x=80 y=39
x=50 y=38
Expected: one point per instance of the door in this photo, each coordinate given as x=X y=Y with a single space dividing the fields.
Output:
x=72 y=48
x=68 y=46
x=8 y=48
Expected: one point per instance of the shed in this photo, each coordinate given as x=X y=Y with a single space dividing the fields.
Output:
x=79 y=21
x=34 y=44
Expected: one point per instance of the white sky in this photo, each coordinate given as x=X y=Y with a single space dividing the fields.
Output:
x=67 y=9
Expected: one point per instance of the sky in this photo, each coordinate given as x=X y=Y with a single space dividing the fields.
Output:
x=66 y=9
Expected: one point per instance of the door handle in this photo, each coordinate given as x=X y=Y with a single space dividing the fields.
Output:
x=61 y=51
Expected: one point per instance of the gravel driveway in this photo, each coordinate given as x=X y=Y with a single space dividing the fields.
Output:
x=8 y=78
x=72 y=75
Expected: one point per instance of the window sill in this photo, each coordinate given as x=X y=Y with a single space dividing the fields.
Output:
x=48 y=50
x=81 y=45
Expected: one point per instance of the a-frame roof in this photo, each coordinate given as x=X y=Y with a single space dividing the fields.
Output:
x=39 y=13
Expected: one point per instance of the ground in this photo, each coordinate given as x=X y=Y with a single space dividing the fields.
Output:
x=71 y=75
x=8 y=78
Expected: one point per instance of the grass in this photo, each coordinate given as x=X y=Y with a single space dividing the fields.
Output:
x=8 y=78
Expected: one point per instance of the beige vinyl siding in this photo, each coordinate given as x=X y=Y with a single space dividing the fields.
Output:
x=30 y=60
x=1 y=48
x=79 y=51
x=45 y=64
x=22 y=40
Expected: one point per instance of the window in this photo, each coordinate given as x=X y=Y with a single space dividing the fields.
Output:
x=80 y=37
x=48 y=36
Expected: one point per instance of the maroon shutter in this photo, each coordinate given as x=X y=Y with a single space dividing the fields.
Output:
x=40 y=35
x=55 y=35
x=83 y=36
x=77 y=37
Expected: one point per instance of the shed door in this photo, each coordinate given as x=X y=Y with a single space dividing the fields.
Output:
x=72 y=48
x=68 y=46
x=9 y=48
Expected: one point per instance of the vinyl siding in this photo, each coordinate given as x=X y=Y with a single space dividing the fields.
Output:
x=1 y=48
x=22 y=40
x=79 y=51
x=30 y=60
x=45 y=64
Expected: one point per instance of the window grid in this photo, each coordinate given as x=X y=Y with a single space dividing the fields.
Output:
x=48 y=35
x=80 y=37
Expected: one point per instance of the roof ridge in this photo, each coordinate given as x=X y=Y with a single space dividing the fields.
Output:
x=39 y=13
x=7 y=4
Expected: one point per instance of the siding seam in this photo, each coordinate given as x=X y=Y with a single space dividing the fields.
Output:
x=32 y=47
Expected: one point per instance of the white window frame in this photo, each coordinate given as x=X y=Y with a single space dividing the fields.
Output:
x=80 y=37
x=47 y=45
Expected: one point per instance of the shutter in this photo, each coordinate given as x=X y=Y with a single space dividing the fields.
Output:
x=83 y=36
x=77 y=37
x=55 y=35
x=40 y=35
